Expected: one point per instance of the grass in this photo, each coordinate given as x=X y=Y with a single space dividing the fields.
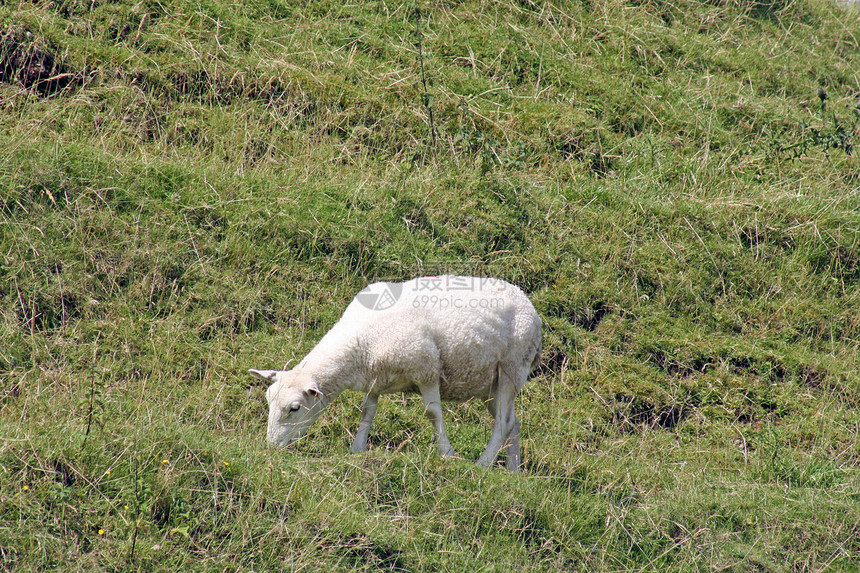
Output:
x=190 y=190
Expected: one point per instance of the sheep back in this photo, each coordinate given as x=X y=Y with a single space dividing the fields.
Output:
x=454 y=330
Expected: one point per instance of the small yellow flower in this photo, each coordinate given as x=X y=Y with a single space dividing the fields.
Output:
x=101 y=531
x=107 y=473
x=126 y=506
x=227 y=464
x=26 y=487
x=165 y=461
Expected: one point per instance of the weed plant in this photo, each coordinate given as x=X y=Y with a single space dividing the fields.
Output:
x=188 y=190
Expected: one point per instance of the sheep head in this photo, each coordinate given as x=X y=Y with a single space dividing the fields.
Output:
x=295 y=402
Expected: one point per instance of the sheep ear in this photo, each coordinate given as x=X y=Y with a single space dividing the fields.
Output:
x=314 y=390
x=267 y=375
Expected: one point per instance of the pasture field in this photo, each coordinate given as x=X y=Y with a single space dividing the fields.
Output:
x=192 y=189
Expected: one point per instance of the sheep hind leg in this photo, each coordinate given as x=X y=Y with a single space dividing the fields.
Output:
x=512 y=450
x=512 y=453
x=502 y=406
x=359 y=444
x=433 y=408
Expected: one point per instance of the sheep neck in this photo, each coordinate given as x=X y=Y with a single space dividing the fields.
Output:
x=337 y=364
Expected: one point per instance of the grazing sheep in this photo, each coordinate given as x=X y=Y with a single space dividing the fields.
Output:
x=447 y=338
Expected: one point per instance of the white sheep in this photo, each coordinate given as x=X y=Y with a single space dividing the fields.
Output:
x=449 y=337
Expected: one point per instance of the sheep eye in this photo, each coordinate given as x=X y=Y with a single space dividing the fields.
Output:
x=295 y=407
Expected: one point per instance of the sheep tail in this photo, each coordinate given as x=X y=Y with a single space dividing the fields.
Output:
x=536 y=360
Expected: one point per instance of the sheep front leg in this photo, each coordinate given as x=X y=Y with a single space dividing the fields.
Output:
x=433 y=408
x=367 y=414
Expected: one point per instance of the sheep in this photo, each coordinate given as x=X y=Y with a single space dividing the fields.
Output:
x=448 y=338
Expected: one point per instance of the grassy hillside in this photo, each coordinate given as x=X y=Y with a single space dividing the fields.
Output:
x=190 y=189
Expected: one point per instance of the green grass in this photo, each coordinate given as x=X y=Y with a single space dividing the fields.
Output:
x=188 y=190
